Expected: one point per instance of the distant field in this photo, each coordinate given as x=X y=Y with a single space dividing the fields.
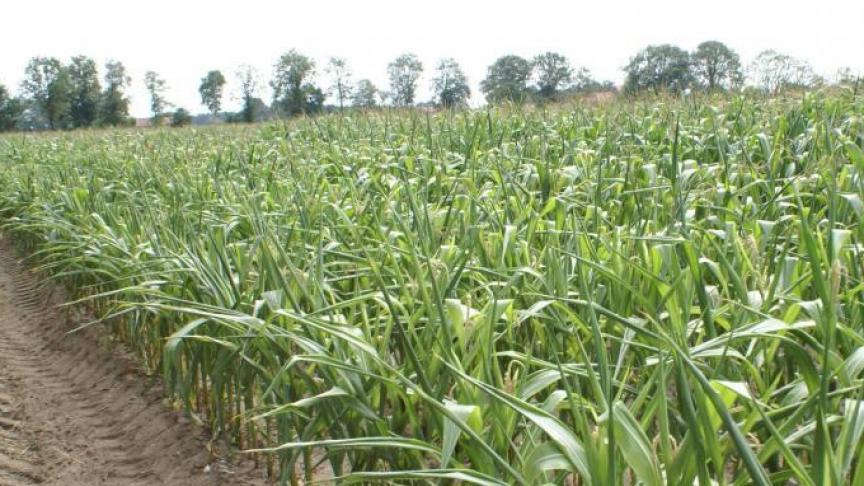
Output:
x=654 y=293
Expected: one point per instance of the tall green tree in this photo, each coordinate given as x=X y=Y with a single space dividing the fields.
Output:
x=658 y=68
x=10 y=110
x=156 y=86
x=716 y=66
x=365 y=94
x=293 y=91
x=85 y=91
x=211 y=89
x=450 y=86
x=553 y=74
x=507 y=80
x=248 y=80
x=404 y=72
x=46 y=84
x=340 y=75
x=114 y=104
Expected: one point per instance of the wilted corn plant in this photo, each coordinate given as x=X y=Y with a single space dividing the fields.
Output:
x=659 y=293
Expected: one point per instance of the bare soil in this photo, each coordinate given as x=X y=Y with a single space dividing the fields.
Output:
x=76 y=411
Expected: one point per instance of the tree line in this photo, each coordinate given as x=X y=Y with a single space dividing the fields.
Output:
x=714 y=66
x=57 y=95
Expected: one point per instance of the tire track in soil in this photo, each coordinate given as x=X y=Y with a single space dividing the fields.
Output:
x=73 y=413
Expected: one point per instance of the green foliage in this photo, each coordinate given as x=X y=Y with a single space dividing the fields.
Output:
x=10 y=110
x=648 y=293
x=293 y=91
x=314 y=99
x=507 y=80
x=58 y=96
x=249 y=83
x=255 y=109
x=553 y=73
x=84 y=91
x=716 y=66
x=450 y=86
x=114 y=104
x=47 y=84
x=210 y=90
x=659 y=68
x=365 y=94
x=404 y=72
x=181 y=118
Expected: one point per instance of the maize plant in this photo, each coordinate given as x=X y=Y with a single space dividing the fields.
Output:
x=660 y=292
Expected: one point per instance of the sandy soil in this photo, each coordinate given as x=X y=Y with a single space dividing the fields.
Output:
x=74 y=413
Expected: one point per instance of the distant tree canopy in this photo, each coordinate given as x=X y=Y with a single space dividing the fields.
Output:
x=85 y=91
x=845 y=76
x=584 y=82
x=210 y=90
x=507 y=80
x=249 y=82
x=315 y=99
x=181 y=117
x=404 y=72
x=340 y=74
x=293 y=91
x=716 y=66
x=46 y=84
x=659 y=67
x=773 y=71
x=156 y=86
x=547 y=77
x=450 y=86
x=553 y=74
x=257 y=110
x=365 y=94
x=10 y=110
x=114 y=104
x=54 y=95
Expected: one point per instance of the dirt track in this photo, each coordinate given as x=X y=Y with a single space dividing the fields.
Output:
x=74 y=413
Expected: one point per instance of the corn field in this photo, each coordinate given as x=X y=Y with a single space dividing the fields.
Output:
x=659 y=292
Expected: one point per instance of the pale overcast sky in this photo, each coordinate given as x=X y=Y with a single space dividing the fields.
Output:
x=183 y=39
